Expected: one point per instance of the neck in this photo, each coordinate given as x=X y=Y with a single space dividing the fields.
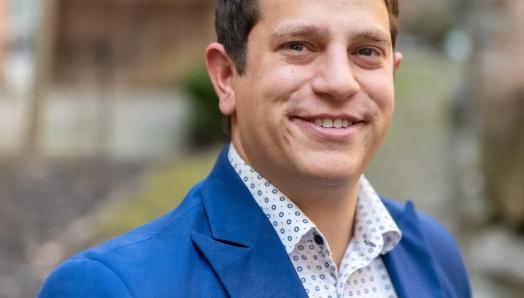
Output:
x=330 y=206
x=333 y=212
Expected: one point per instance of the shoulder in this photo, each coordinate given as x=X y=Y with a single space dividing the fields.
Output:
x=421 y=230
x=82 y=277
x=178 y=223
x=421 y=225
x=449 y=262
x=145 y=255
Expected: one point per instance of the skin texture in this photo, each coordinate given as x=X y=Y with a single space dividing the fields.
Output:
x=310 y=60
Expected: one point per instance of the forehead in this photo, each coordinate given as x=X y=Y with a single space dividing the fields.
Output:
x=327 y=15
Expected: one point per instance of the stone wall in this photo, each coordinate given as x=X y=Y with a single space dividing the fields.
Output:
x=428 y=20
x=499 y=97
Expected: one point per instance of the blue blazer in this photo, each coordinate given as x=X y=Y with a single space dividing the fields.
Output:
x=218 y=243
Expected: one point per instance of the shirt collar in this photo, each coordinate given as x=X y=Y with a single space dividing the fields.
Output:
x=291 y=224
x=374 y=225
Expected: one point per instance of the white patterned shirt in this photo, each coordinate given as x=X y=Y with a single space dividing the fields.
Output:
x=362 y=272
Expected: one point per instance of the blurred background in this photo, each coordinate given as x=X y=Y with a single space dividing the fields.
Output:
x=107 y=118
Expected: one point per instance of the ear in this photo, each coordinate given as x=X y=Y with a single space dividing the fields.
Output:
x=397 y=61
x=221 y=70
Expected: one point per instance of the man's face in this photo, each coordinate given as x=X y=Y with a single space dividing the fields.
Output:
x=317 y=96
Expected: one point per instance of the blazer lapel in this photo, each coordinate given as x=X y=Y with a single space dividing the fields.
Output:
x=410 y=265
x=244 y=250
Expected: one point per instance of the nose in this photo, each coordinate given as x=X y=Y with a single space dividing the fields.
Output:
x=334 y=77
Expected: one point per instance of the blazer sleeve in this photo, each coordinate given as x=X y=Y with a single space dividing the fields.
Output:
x=450 y=264
x=83 y=277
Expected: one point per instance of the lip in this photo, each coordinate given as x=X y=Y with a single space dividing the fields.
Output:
x=339 y=135
x=351 y=118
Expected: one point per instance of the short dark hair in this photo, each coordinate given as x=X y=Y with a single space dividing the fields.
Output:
x=234 y=20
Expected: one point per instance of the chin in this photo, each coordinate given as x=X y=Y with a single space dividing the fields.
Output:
x=331 y=174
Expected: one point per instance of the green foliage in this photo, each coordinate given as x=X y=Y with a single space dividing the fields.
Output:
x=206 y=122
x=162 y=192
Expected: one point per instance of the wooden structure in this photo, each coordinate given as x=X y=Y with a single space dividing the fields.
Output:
x=136 y=41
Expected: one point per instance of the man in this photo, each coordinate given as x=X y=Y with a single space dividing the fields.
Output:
x=286 y=212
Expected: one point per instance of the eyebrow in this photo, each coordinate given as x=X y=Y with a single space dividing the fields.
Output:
x=301 y=30
x=371 y=35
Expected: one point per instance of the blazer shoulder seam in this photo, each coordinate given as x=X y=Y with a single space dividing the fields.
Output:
x=153 y=235
x=110 y=270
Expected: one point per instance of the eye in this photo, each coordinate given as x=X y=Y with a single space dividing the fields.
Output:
x=296 y=46
x=369 y=52
x=370 y=57
x=297 y=52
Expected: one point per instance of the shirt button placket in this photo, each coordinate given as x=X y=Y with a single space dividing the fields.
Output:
x=318 y=240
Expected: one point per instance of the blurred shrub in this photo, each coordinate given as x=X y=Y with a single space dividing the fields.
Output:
x=206 y=124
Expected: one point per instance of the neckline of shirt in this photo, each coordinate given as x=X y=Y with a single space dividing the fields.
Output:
x=367 y=243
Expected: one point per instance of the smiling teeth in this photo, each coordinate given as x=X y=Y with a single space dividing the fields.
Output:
x=329 y=123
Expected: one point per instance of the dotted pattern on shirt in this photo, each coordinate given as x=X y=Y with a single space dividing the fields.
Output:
x=362 y=272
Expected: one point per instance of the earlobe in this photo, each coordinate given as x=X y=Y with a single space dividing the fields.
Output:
x=397 y=61
x=221 y=71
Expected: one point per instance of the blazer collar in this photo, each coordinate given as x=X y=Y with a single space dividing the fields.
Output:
x=242 y=240
x=410 y=264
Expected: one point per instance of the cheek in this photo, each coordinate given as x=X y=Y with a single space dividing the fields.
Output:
x=380 y=89
x=279 y=80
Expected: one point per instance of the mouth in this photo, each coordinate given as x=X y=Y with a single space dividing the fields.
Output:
x=333 y=122
x=336 y=128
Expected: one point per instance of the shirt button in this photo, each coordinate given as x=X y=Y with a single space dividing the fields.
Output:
x=319 y=240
